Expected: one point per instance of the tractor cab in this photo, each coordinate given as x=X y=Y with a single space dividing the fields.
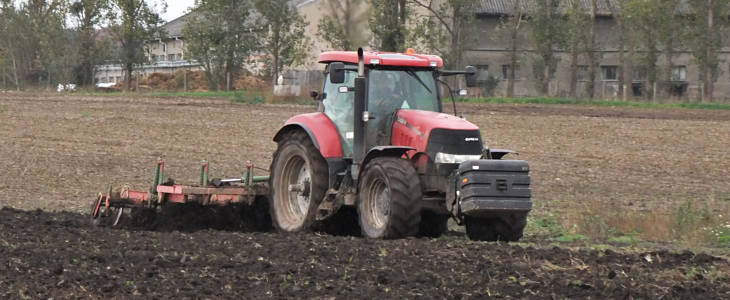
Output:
x=394 y=82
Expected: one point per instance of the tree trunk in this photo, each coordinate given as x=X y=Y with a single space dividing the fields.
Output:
x=548 y=59
x=15 y=74
x=591 y=53
x=709 y=78
x=621 y=76
x=669 y=62
x=574 y=70
x=629 y=72
x=128 y=76
x=515 y=29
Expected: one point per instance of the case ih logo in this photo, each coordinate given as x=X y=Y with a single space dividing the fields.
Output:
x=471 y=139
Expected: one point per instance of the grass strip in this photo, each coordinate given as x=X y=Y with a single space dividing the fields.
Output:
x=690 y=105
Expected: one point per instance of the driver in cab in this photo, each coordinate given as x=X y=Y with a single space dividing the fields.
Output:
x=386 y=94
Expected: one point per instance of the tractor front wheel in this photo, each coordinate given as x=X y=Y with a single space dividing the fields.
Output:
x=389 y=195
x=298 y=182
x=506 y=229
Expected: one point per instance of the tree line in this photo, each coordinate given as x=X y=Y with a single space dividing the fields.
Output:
x=46 y=41
x=651 y=34
x=62 y=41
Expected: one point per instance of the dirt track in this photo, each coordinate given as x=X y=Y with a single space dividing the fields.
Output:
x=45 y=254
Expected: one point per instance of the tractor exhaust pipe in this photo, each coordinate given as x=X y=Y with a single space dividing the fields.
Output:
x=360 y=63
x=360 y=106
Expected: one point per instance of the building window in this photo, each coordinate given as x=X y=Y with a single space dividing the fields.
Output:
x=506 y=72
x=179 y=56
x=171 y=57
x=609 y=73
x=679 y=73
x=119 y=78
x=482 y=73
x=582 y=73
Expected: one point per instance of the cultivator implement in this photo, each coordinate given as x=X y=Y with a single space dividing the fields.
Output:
x=109 y=207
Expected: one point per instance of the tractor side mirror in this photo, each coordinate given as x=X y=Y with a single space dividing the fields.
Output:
x=471 y=76
x=337 y=72
x=314 y=94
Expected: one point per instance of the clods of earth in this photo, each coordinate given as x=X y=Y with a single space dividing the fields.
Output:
x=44 y=254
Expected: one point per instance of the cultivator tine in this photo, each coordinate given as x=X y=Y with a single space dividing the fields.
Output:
x=204 y=174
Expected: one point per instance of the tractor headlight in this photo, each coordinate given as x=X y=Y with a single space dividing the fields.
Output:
x=447 y=158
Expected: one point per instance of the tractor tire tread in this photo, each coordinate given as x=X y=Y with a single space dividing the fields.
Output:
x=405 y=188
x=319 y=170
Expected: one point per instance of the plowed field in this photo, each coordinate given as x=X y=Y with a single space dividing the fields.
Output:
x=58 y=151
x=57 y=255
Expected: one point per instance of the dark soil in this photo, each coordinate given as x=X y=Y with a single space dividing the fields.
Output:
x=58 y=255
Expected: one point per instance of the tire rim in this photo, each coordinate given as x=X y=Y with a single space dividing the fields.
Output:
x=297 y=179
x=302 y=196
x=379 y=206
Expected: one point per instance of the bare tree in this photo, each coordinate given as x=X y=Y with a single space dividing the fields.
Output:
x=341 y=28
x=513 y=25
x=447 y=28
x=707 y=30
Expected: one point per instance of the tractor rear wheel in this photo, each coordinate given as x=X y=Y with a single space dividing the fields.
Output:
x=506 y=229
x=389 y=197
x=298 y=182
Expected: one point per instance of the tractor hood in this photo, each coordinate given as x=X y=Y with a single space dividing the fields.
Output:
x=433 y=132
x=425 y=121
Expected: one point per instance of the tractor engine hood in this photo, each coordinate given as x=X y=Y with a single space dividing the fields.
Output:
x=433 y=132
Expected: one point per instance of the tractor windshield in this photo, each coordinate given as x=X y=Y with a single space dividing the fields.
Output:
x=390 y=90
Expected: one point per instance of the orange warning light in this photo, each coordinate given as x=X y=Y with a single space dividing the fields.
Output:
x=410 y=51
x=464 y=180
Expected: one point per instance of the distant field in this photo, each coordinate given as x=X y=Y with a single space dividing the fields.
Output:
x=600 y=172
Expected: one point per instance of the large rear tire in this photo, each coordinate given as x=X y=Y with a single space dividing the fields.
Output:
x=298 y=182
x=389 y=198
x=509 y=228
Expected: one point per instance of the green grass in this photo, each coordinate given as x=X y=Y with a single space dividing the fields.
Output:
x=168 y=94
x=721 y=106
x=571 y=238
x=206 y=94
x=624 y=239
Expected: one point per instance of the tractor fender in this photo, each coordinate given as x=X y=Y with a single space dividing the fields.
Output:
x=320 y=129
x=391 y=151
x=498 y=153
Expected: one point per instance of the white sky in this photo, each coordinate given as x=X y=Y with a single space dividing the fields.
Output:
x=175 y=8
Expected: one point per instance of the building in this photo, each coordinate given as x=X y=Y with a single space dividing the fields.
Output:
x=491 y=57
x=164 y=55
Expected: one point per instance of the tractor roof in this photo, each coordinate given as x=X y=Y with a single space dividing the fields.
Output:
x=408 y=59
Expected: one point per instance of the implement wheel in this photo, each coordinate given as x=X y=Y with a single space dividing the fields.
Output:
x=298 y=182
x=506 y=229
x=389 y=197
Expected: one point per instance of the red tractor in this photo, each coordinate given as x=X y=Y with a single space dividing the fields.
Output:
x=382 y=144
x=380 y=150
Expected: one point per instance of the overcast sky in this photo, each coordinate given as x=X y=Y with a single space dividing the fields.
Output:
x=175 y=8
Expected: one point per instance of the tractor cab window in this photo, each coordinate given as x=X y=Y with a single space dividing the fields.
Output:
x=338 y=107
x=391 y=90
